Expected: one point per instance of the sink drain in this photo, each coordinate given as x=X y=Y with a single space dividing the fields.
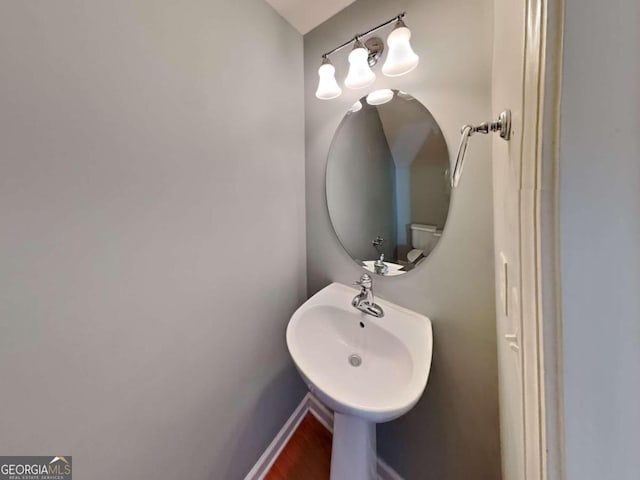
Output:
x=355 y=360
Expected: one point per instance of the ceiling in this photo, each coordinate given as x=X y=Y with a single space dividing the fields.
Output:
x=305 y=15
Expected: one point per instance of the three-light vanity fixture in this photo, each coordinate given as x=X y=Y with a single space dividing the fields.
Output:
x=400 y=59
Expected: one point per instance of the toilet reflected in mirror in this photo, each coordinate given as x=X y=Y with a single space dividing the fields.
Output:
x=387 y=183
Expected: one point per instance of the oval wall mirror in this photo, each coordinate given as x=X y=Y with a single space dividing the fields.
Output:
x=388 y=188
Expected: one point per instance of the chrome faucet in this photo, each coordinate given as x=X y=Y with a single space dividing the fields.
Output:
x=379 y=266
x=377 y=244
x=364 y=300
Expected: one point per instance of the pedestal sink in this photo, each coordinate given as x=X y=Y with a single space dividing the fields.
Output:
x=368 y=370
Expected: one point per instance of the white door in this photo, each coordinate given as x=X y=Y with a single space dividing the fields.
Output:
x=507 y=93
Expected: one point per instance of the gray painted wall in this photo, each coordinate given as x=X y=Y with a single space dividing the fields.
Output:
x=153 y=243
x=416 y=142
x=361 y=186
x=453 y=431
x=600 y=238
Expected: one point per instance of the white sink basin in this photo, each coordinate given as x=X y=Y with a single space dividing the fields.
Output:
x=368 y=370
x=393 y=268
x=395 y=352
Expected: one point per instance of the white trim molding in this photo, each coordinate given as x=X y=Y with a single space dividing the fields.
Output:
x=549 y=309
x=312 y=405
x=270 y=455
x=539 y=240
x=385 y=472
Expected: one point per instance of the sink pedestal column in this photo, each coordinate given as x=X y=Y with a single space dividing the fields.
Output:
x=353 y=453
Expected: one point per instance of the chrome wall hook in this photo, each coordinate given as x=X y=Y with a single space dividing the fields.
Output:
x=502 y=125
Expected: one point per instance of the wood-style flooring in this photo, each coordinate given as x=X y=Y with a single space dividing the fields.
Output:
x=307 y=455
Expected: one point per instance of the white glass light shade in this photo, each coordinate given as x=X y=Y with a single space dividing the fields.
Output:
x=328 y=88
x=356 y=107
x=360 y=74
x=401 y=58
x=379 y=97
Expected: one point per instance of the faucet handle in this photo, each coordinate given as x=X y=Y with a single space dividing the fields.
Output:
x=377 y=244
x=365 y=281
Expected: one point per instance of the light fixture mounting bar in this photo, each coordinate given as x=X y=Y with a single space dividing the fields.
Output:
x=359 y=35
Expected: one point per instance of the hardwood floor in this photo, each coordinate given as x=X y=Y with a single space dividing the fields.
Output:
x=307 y=455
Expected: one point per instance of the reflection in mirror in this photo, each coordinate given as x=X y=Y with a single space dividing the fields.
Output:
x=388 y=189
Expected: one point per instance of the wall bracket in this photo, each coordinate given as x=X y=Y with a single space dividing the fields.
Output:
x=502 y=125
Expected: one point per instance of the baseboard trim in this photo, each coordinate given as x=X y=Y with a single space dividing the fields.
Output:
x=270 y=455
x=312 y=405
x=385 y=472
x=318 y=410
